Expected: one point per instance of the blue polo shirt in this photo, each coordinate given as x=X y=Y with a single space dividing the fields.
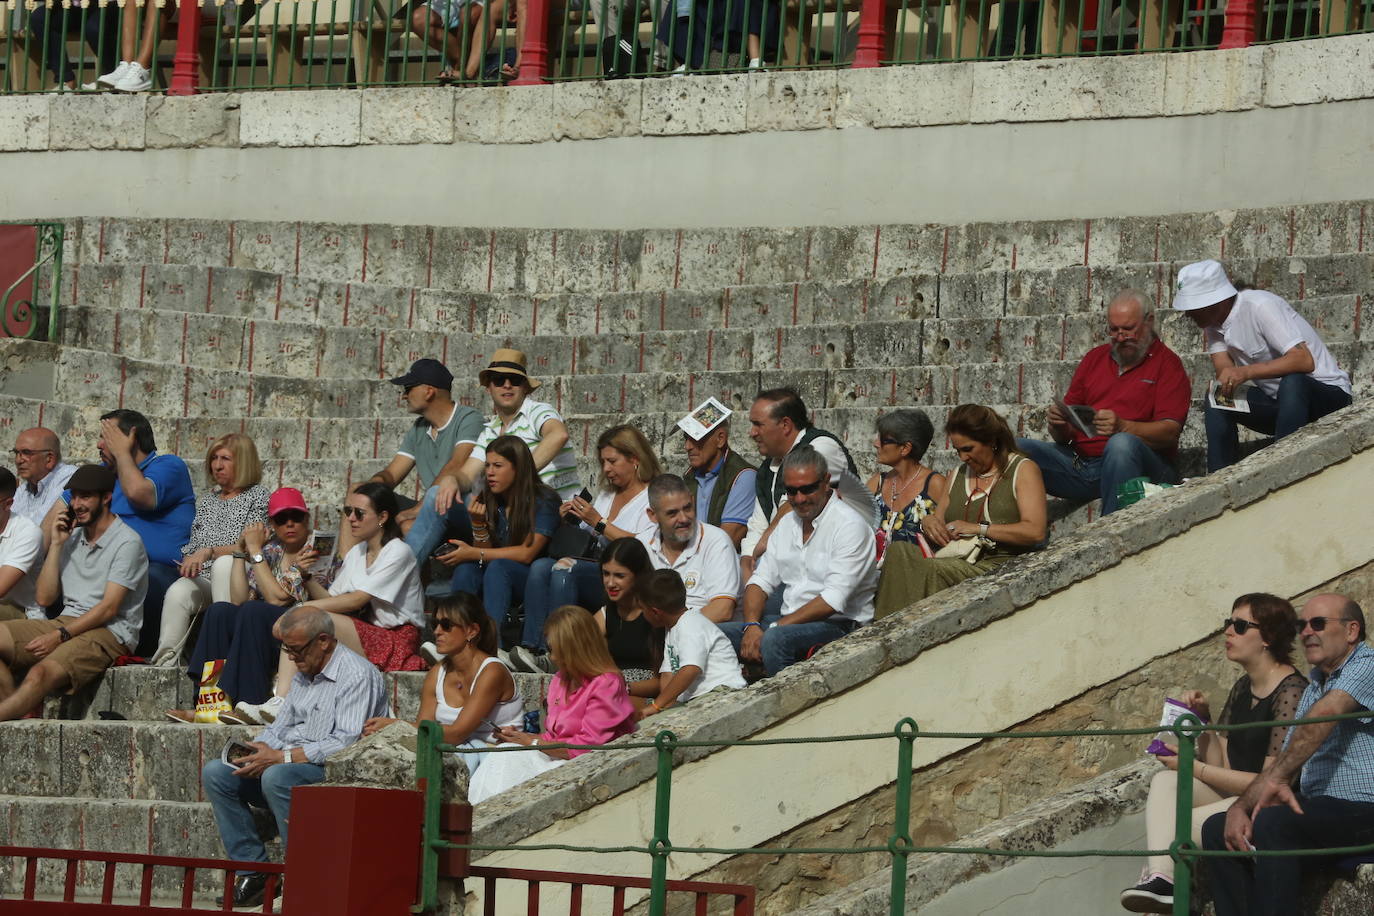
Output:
x=739 y=504
x=1343 y=767
x=166 y=527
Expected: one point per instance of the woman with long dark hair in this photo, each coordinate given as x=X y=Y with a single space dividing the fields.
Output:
x=513 y=517
x=633 y=642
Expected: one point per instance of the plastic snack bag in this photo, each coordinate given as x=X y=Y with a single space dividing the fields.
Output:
x=210 y=698
x=1172 y=710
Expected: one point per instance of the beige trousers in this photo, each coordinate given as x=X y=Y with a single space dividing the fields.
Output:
x=1160 y=821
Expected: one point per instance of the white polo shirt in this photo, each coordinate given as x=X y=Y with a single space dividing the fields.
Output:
x=21 y=547
x=1263 y=327
x=709 y=566
x=698 y=642
x=839 y=563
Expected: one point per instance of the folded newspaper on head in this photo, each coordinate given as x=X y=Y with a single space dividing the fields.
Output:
x=1238 y=400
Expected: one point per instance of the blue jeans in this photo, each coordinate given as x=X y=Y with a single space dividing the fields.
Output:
x=500 y=585
x=100 y=28
x=429 y=528
x=783 y=646
x=231 y=795
x=160 y=578
x=1301 y=399
x=1069 y=476
x=1268 y=886
x=551 y=588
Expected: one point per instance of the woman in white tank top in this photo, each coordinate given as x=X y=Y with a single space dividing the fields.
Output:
x=469 y=692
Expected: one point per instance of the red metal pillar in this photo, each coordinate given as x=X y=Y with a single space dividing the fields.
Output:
x=186 y=64
x=1241 y=23
x=534 y=55
x=353 y=851
x=872 y=38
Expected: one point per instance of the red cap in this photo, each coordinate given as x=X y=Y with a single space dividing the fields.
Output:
x=284 y=500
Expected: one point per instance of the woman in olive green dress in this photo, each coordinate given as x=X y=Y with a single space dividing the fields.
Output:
x=998 y=493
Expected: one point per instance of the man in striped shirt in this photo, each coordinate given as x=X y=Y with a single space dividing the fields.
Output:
x=333 y=693
x=537 y=423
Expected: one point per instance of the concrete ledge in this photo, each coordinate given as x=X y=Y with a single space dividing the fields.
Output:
x=1066 y=89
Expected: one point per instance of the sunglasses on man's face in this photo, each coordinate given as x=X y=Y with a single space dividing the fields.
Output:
x=501 y=380
x=1319 y=623
x=1240 y=626
x=805 y=489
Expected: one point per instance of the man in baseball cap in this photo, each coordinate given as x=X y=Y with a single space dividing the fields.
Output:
x=97 y=568
x=1266 y=356
x=436 y=446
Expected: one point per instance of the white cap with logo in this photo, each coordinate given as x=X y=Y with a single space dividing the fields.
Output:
x=1202 y=284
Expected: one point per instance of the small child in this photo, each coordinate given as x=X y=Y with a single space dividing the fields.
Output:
x=697 y=657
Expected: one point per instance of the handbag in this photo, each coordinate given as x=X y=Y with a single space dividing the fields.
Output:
x=969 y=549
x=572 y=540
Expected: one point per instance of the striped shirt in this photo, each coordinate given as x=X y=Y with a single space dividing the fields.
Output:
x=560 y=474
x=325 y=714
x=1343 y=767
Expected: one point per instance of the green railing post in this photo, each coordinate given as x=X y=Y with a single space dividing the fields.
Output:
x=48 y=242
x=429 y=774
x=901 y=821
x=659 y=846
x=1186 y=729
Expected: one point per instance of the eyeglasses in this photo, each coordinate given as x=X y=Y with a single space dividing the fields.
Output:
x=1319 y=623
x=1240 y=626
x=501 y=380
x=805 y=489
x=29 y=452
x=296 y=652
x=354 y=512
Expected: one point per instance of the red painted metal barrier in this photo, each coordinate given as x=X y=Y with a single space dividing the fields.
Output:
x=701 y=891
x=30 y=902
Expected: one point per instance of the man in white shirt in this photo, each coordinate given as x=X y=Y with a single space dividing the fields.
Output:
x=515 y=414
x=697 y=657
x=703 y=555
x=43 y=474
x=1255 y=336
x=21 y=555
x=822 y=556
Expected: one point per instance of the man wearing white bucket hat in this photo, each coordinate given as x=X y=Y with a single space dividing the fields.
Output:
x=1255 y=337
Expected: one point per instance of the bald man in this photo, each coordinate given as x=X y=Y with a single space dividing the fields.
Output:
x=42 y=473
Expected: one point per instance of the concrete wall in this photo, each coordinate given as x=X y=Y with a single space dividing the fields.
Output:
x=1043 y=630
x=1153 y=134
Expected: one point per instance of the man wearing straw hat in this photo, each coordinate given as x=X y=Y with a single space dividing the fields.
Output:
x=516 y=414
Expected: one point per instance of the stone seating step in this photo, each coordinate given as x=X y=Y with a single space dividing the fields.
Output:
x=545 y=260
x=152 y=826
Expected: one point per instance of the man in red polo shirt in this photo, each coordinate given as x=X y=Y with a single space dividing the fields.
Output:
x=1139 y=394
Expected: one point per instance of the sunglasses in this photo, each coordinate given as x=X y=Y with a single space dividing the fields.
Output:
x=290 y=515
x=1240 y=626
x=1319 y=623
x=441 y=624
x=804 y=489
x=501 y=380
x=884 y=440
x=354 y=512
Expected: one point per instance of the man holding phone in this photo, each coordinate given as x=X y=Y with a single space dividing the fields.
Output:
x=97 y=567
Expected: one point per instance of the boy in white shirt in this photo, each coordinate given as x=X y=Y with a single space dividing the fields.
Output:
x=697 y=658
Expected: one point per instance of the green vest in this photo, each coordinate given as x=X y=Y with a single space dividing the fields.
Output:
x=725 y=482
x=768 y=483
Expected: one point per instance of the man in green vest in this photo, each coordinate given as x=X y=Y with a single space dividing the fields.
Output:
x=721 y=481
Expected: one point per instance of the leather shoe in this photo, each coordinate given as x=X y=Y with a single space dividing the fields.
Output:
x=181 y=715
x=249 y=890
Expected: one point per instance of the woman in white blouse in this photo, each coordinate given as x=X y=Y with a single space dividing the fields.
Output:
x=619 y=510
x=376 y=600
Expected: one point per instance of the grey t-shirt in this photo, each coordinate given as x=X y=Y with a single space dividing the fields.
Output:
x=431 y=454
x=118 y=557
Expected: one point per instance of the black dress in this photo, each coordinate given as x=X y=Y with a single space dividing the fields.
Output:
x=1246 y=750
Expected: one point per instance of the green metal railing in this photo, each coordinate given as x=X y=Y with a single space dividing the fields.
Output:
x=27 y=286
x=429 y=768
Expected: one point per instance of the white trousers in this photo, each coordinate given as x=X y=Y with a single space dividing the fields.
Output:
x=1160 y=820
x=185 y=599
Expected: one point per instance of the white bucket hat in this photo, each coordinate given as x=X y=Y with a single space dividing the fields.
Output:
x=1202 y=284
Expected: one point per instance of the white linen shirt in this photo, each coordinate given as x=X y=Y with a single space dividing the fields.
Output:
x=21 y=547
x=833 y=454
x=1263 y=327
x=34 y=505
x=838 y=563
x=393 y=581
x=709 y=566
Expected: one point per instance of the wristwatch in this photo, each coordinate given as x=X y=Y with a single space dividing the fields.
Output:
x=600 y=526
x=257 y=558
x=64 y=633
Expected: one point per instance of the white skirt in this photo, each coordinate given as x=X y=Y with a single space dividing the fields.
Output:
x=499 y=772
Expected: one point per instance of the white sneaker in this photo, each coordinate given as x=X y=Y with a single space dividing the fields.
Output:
x=532 y=661
x=166 y=657
x=109 y=80
x=430 y=653
x=756 y=63
x=92 y=87
x=269 y=711
x=254 y=713
x=136 y=79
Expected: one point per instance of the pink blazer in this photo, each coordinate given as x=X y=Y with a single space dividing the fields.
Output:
x=597 y=712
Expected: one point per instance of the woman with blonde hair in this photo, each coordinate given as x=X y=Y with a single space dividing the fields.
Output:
x=235 y=500
x=619 y=510
x=470 y=693
x=993 y=510
x=588 y=704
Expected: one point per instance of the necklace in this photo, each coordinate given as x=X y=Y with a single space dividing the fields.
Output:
x=909 y=481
